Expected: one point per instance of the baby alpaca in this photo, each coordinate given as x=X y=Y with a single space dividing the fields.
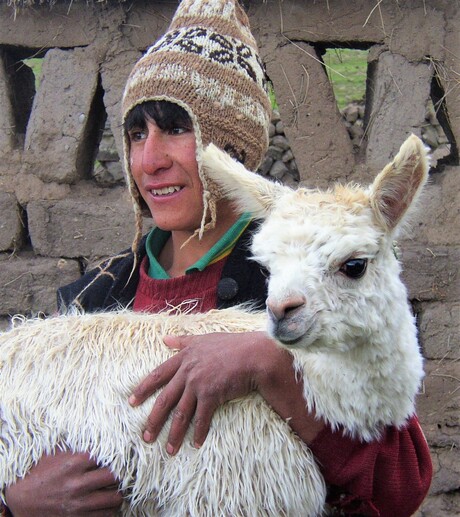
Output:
x=335 y=298
x=335 y=301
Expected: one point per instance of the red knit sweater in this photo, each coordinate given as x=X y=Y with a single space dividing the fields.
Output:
x=195 y=291
x=388 y=478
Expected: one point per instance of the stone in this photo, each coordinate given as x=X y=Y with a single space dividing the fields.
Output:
x=108 y=173
x=29 y=283
x=290 y=181
x=431 y=273
x=440 y=153
x=274 y=152
x=356 y=133
x=275 y=116
x=7 y=122
x=439 y=326
x=440 y=504
x=442 y=138
x=438 y=217
x=115 y=169
x=281 y=142
x=393 y=78
x=351 y=113
x=430 y=136
x=438 y=404
x=59 y=145
x=101 y=225
x=288 y=156
x=265 y=166
x=430 y=114
x=293 y=165
x=446 y=463
x=107 y=149
x=114 y=73
x=12 y=231
x=278 y=170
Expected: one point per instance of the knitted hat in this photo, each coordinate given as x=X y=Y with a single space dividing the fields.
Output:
x=208 y=63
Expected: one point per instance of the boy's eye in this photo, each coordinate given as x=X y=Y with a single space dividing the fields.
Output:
x=178 y=130
x=136 y=135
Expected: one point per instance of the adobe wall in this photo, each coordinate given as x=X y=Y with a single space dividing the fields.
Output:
x=55 y=217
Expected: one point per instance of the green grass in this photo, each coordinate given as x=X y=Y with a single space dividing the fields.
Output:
x=36 y=64
x=347 y=70
x=271 y=94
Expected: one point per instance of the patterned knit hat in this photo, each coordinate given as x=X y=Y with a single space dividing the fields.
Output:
x=208 y=63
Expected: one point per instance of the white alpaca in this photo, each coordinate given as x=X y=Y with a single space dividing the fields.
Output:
x=335 y=300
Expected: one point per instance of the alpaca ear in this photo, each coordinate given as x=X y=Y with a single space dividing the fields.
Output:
x=400 y=183
x=249 y=191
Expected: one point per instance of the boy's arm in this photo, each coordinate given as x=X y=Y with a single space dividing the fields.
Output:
x=384 y=478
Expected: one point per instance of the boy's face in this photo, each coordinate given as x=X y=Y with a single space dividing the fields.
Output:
x=164 y=167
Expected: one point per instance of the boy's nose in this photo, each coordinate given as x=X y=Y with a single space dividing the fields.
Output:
x=155 y=154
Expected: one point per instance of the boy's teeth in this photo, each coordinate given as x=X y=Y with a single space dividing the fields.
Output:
x=165 y=190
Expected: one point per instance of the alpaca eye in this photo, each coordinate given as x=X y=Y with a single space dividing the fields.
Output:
x=354 y=268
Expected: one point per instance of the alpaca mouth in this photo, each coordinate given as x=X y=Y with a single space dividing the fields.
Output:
x=292 y=330
x=287 y=341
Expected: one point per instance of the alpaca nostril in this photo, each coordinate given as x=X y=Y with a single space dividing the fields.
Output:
x=286 y=308
x=293 y=309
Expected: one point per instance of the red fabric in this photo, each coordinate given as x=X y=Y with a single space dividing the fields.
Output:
x=387 y=478
x=197 y=290
x=4 y=512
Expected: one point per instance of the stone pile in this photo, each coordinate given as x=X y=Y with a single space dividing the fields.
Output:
x=432 y=132
x=279 y=162
x=353 y=116
x=108 y=170
x=434 y=136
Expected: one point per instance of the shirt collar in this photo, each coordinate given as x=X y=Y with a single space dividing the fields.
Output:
x=157 y=239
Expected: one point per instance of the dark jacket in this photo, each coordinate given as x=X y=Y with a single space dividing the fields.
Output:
x=113 y=284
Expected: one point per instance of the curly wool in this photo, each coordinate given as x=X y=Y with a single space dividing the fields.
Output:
x=66 y=382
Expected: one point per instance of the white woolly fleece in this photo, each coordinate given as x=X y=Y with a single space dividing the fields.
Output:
x=66 y=382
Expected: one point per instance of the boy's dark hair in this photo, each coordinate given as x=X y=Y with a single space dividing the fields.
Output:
x=167 y=115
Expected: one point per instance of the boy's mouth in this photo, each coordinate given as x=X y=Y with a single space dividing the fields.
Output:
x=166 y=190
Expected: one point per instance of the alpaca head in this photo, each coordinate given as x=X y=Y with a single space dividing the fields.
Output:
x=334 y=278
